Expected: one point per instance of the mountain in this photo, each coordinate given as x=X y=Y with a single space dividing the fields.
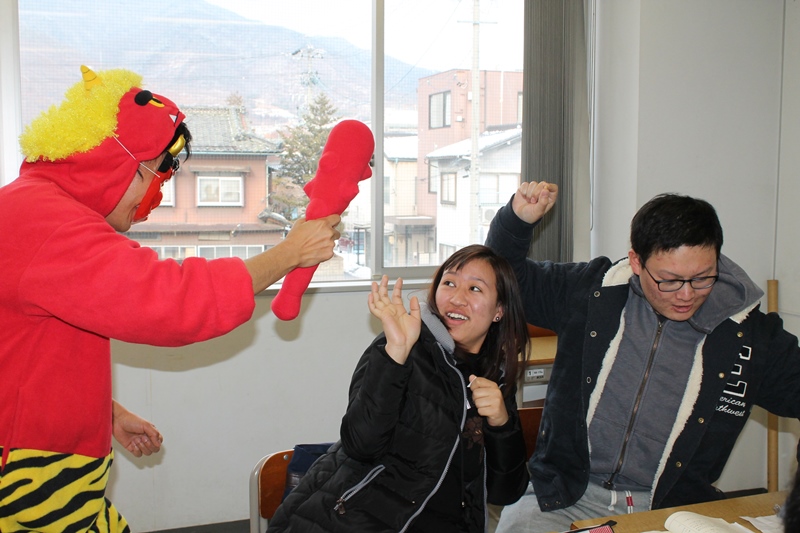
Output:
x=197 y=53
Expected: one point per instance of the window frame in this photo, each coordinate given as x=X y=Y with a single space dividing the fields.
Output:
x=217 y=247
x=168 y=192
x=445 y=107
x=11 y=128
x=433 y=178
x=451 y=187
x=220 y=179
x=161 y=249
x=492 y=192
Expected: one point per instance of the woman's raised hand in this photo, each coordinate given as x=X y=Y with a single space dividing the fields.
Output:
x=401 y=327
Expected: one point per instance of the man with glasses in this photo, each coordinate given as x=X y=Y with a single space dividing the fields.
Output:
x=661 y=357
x=71 y=282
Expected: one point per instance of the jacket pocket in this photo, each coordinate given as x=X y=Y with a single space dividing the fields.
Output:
x=355 y=489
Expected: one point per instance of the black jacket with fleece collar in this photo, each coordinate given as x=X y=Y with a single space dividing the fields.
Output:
x=748 y=359
x=401 y=429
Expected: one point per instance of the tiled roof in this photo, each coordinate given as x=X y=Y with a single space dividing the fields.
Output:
x=223 y=130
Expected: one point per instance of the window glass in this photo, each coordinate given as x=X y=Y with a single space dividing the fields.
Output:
x=439 y=110
x=168 y=193
x=179 y=253
x=213 y=191
x=433 y=179
x=462 y=92
x=448 y=195
x=259 y=113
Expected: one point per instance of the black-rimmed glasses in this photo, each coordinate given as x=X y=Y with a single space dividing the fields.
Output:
x=674 y=285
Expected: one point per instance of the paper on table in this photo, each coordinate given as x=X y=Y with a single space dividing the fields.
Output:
x=689 y=522
x=767 y=524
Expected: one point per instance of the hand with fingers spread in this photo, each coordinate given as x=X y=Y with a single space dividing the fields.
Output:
x=488 y=398
x=534 y=199
x=401 y=327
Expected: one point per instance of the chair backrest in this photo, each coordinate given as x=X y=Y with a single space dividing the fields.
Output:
x=530 y=418
x=267 y=484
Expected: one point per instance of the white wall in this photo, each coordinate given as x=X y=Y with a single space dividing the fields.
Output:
x=223 y=404
x=787 y=255
x=615 y=126
x=701 y=98
x=10 y=114
x=787 y=247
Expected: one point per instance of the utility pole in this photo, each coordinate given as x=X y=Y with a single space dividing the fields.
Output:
x=475 y=166
x=311 y=76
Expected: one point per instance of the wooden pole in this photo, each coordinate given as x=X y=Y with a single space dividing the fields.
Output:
x=772 y=420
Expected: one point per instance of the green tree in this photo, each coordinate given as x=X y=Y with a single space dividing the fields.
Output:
x=302 y=144
x=235 y=99
x=302 y=147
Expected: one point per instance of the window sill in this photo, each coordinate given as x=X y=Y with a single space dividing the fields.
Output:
x=347 y=286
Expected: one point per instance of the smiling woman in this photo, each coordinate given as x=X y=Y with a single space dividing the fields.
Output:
x=466 y=301
x=432 y=415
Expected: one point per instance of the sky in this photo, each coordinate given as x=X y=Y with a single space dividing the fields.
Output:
x=425 y=33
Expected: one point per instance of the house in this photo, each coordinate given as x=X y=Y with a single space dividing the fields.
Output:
x=211 y=206
x=445 y=114
x=461 y=198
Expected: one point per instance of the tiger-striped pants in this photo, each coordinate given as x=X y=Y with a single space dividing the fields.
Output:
x=57 y=493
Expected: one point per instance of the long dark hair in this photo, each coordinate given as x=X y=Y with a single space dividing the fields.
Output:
x=507 y=339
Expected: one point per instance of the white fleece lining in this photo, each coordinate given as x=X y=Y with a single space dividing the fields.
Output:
x=605 y=370
x=690 y=396
x=619 y=273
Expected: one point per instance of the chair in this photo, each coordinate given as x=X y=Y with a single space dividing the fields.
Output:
x=530 y=418
x=267 y=483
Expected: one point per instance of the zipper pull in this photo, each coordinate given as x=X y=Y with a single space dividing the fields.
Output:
x=339 y=508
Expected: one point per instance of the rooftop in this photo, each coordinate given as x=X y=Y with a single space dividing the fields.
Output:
x=223 y=130
x=486 y=141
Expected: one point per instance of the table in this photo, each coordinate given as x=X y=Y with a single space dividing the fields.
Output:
x=730 y=510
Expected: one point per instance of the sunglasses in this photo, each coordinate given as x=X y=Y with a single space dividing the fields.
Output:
x=153 y=195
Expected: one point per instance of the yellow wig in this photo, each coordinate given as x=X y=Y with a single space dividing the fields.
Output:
x=85 y=119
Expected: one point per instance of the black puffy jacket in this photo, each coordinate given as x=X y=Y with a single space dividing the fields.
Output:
x=397 y=439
